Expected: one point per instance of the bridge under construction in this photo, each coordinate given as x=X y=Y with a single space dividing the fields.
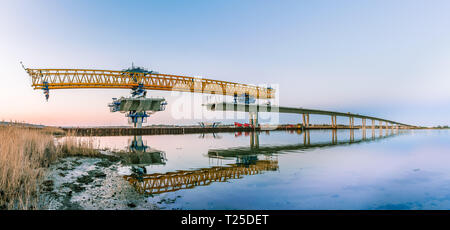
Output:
x=138 y=107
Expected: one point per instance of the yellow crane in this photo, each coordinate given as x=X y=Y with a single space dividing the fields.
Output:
x=46 y=79
x=139 y=80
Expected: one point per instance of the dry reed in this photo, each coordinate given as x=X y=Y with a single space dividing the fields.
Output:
x=71 y=145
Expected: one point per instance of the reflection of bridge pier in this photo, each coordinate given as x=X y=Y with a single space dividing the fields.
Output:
x=352 y=135
x=258 y=149
x=334 y=139
x=306 y=137
x=254 y=140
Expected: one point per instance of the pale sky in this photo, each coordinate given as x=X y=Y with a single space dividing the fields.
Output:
x=389 y=59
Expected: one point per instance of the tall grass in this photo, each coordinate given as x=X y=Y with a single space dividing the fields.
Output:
x=71 y=145
x=24 y=156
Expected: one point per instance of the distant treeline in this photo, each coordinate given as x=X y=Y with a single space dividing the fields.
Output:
x=441 y=127
x=22 y=124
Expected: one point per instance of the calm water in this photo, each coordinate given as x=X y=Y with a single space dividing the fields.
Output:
x=283 y=170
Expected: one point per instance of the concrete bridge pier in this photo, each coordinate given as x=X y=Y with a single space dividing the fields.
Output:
x=386 y=127
x=363 y=121
x=333 y=122
x=253 y=119
x=305 y=120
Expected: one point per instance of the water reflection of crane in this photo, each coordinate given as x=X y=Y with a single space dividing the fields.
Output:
x=214 y=136
x=140 y=154
x=157 y=183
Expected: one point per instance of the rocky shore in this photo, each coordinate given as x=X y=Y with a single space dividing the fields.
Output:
x=86 y=183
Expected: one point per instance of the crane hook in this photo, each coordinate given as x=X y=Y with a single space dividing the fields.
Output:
x=23 y=66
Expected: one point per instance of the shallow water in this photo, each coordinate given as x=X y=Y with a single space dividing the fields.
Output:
x=290 y=170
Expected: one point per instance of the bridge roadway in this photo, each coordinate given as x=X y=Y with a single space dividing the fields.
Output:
x=255 y=108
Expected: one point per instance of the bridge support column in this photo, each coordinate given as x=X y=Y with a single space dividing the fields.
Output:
x=352 y=122
x=305 y=120
x=364 y=128
x=333 y=122
x=138 y=124
x=253 y=119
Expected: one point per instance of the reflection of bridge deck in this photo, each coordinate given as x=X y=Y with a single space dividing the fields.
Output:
x=157 y=183
x=256 y=149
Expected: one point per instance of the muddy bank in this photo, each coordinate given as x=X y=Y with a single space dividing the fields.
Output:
x=78 y=183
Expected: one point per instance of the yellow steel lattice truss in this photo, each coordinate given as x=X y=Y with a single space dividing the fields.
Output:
x=157 y=183
x=84 y=78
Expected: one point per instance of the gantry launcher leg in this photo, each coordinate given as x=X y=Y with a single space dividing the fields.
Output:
x=137 y=118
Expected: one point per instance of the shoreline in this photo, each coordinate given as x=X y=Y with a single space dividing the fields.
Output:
x=89 y=183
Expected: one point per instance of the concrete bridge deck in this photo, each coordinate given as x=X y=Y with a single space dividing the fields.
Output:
x=256 y=108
